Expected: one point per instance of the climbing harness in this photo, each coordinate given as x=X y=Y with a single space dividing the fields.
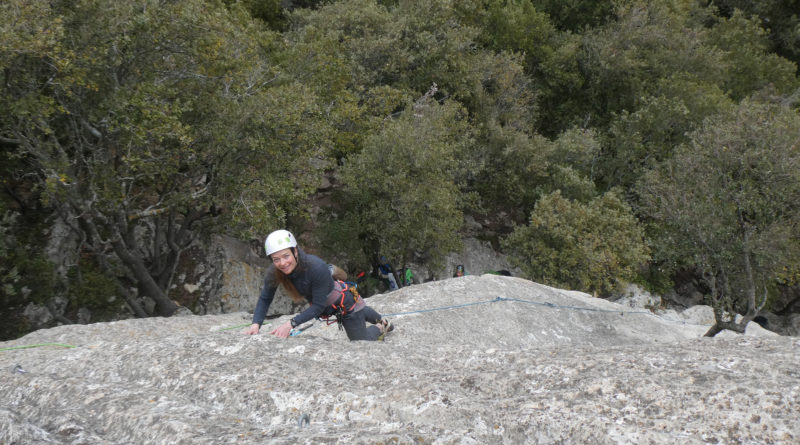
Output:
x=340 y=307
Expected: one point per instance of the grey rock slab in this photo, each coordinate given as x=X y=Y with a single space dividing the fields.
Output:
x=473 y=360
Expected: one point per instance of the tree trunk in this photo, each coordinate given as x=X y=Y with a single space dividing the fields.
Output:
x=134 y=263
x=134 y=305
x=752 y=308
x=714 y=330
x=164 y=306
x=718 y=283
x=751 y=284
x=177 y=239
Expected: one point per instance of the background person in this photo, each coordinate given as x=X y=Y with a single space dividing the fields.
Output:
x=386 y=271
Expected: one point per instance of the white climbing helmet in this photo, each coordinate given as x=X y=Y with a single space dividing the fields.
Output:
x=279 y=240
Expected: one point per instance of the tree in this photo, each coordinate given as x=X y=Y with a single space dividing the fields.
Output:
x=751 y=65
x=9 y=275
x=358 y=46
x=627 y=60
x=623 y=61
x=517 y=26
x=517 y=169
x=401 y=193
x=728 y=205
x=780 y=17
x=595 y=247
x=136 y=123
x=637 y=141
x=575 y=15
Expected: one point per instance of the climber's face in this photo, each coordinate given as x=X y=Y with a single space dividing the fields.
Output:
x=284 y=260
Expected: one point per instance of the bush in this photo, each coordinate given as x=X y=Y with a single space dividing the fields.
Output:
x=596 y=247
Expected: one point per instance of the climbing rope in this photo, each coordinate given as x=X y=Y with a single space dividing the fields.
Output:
x=296 y=331
x=234 y=327
x=11 y=348
x=501 y=299
x=538 y=303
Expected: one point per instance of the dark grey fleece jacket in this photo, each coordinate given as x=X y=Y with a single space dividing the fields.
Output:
x=313 y=281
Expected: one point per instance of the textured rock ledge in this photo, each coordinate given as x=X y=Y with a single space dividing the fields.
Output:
x=484 y=359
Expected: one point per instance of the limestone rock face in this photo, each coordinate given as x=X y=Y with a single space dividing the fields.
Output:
x=234 y=275
x=473 y=360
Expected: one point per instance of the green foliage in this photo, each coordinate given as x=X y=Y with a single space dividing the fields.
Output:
x=617 y=65
x=751 y=67
x=561 y=82
x=595 y=247
x=501 y=94
x=401 y=191
x=513 y=170
x=9 y=275
x=576 y=15
x=270 y=11
x=519 y=169
x=270 y=144
x=89 y=287
x=29 y=276
x=340 y=238
x=517 y=26
x=360 y=45
x=728 y=202
x=25 y=273
x=779 y=17
x=648 y=41
x=637 y=141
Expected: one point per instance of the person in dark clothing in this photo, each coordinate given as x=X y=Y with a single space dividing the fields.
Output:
x=386 y=271
x=460 y=272
x=306 y=278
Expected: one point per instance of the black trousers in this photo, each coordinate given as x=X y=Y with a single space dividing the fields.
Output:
x=354 y=324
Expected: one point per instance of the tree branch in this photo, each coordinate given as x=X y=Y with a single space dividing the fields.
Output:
x=10 y=141
x=95 y=132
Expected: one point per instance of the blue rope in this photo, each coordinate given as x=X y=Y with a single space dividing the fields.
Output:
x=576 y=308
x=444 y=308
x=550 y=305
x=297 y=331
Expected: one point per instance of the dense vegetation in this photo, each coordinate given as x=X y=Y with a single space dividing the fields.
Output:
x=610 y=141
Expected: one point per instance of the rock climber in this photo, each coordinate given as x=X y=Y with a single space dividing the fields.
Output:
x=307 y=279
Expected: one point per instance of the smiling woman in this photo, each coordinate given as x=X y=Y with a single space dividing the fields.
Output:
x=307 y=279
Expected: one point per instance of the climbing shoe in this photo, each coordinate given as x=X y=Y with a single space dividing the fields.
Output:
x=385 y=326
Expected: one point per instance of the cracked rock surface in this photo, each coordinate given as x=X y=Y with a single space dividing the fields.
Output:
x=473 y=360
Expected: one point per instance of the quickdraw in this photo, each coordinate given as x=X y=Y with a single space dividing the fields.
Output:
x=340 y=308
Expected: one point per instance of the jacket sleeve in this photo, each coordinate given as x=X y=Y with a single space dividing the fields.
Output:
x=265 y=298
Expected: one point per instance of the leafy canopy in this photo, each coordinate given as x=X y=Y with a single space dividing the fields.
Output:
x=403 y=191
x=728 y=202
x=135 y=120
x=595 y=247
